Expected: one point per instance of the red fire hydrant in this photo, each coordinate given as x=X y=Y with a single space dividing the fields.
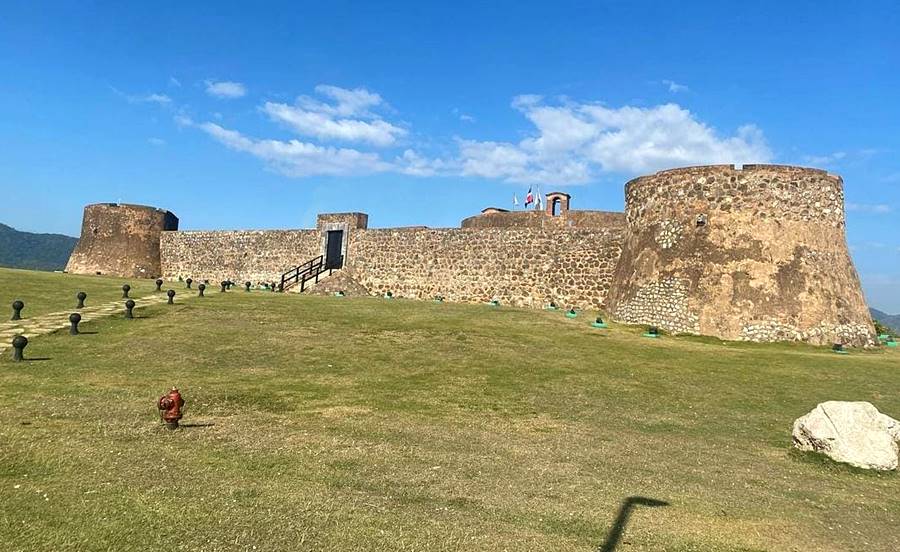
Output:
x=170 y=408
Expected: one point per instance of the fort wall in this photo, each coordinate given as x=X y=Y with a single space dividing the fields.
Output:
x=239 y=255
x=541 y=219
x=519 y=266
x=120 y=240
x=757 y=254
x=523 y=266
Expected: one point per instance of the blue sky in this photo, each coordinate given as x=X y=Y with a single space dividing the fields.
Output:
x=235 y=115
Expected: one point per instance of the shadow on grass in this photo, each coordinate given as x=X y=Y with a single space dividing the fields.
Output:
x=210 y=424
x=823 y=462
x=618 y=528
x=36 y=359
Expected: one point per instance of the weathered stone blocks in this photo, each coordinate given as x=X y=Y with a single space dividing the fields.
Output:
x=121 y=240
x=757 y=253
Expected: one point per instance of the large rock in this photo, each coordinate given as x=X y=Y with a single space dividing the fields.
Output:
x=851 y=432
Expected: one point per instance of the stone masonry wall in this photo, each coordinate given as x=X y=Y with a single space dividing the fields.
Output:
x=120 y=240
x=248 y=255
x=520 y=266
x=541 y=219
x=757 y=254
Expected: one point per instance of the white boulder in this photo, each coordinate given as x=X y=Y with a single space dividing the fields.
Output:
x=851 y=432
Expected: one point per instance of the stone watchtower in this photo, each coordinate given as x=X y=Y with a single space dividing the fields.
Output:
x=557 y=203
x=121 y=240
x=757 y=253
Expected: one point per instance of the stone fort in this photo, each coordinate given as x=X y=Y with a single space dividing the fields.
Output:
x=754 y=253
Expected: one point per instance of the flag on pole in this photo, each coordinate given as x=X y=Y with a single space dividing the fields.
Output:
x=529 y=198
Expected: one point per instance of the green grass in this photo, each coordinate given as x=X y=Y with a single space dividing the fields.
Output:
x=45 y=292
x=365 y=424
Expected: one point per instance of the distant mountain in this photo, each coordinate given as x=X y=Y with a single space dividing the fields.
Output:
x=892 y=321
x=34 y=251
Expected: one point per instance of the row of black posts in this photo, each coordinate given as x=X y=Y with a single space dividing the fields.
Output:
x=19 y=342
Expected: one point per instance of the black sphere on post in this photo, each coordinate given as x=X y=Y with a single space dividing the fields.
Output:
x=81 y=296
x=19 y=342
x=247 y=286
x=129 y=308
x=200 y=288
x=171 y=294
x=74 y=319
x=189 y=281
x=159 y=284
x=125 y=289
x=17 y=310
x=224 y=285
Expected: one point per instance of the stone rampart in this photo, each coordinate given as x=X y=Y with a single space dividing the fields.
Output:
x=240 y=255
x=757 y=253
x=120 y=240
x=522 y=266
x=541 y=219
x=519 y=266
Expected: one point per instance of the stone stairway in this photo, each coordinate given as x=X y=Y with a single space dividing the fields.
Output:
x=54 y=321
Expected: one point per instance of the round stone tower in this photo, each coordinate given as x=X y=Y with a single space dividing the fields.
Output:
x=121 y=240
x=757 y=253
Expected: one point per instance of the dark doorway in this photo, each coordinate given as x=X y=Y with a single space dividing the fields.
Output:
x=333 y=247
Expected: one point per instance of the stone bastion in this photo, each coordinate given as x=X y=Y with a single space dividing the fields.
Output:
x=121 y=240
x=757 y=253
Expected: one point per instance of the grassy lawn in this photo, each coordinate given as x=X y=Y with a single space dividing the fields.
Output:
x=45 y=292
x=324 y=423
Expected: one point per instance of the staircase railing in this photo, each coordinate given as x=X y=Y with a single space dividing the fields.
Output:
x=310 y=270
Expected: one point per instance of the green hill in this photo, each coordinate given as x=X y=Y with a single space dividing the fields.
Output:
x=892 y=321
x=34 y=251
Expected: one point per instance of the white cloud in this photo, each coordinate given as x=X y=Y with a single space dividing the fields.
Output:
x=297 y=159
x=413 y=164
x=174 y=82
x=872 y=208
x=156 y=141
x=824 y=160
x=347 y=118
x=159 y=99
x=674 y=87
x=464 y=117
x=569 y=143
x=226 y=89
x=574 y=142
x=347 y=102
x=322 y=126
x=503 y=161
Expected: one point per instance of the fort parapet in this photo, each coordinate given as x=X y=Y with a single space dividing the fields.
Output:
x=756 y=253
x=121 y=240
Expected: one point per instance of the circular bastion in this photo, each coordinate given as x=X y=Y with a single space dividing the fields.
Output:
x=756 y=253
x=121 y=240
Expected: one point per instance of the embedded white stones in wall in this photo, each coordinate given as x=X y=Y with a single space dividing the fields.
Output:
x=669 y=233
x=664 y=304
